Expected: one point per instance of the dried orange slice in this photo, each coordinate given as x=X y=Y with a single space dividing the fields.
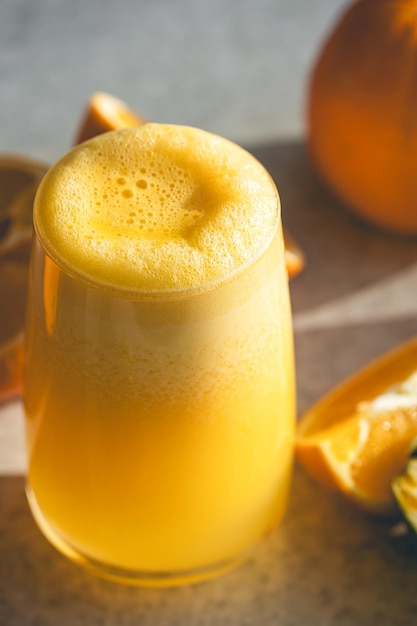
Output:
x=357 y=438
x=104 y=112
x=19 y=179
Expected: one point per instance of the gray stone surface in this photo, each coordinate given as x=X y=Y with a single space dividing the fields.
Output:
x=237 y=68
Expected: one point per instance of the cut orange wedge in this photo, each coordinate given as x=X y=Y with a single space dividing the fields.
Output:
x=103 y=113
x=357 y=438
x=19 y=179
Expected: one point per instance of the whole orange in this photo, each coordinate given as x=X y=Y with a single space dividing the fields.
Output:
x=362 y=112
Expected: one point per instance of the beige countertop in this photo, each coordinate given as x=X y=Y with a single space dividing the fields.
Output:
x=327 y=564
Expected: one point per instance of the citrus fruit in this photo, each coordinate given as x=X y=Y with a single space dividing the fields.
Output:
x=361 y=133
x=103 y=113
x=19 y=179
x=356 y=439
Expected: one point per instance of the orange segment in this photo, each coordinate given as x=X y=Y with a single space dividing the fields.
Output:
x=19 y=179
x=356 y=440
x=361 y=455
x=385 y=452
x=103 y=113
x=329 y=453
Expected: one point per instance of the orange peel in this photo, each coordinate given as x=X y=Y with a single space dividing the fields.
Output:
x=103 y=113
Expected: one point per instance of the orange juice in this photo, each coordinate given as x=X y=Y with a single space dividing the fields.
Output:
x=159 y=387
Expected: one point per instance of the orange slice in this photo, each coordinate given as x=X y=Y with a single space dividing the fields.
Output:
x=357 y=438
x=19 y=179
x=104 y=112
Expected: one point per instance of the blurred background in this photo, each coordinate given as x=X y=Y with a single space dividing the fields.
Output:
x=236 y=67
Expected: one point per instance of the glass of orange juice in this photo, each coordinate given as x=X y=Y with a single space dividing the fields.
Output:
x=159 y=387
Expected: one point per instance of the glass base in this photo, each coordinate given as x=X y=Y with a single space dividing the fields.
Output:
x=127 y=576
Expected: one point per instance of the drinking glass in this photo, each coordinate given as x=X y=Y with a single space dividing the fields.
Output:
x=160 y=424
